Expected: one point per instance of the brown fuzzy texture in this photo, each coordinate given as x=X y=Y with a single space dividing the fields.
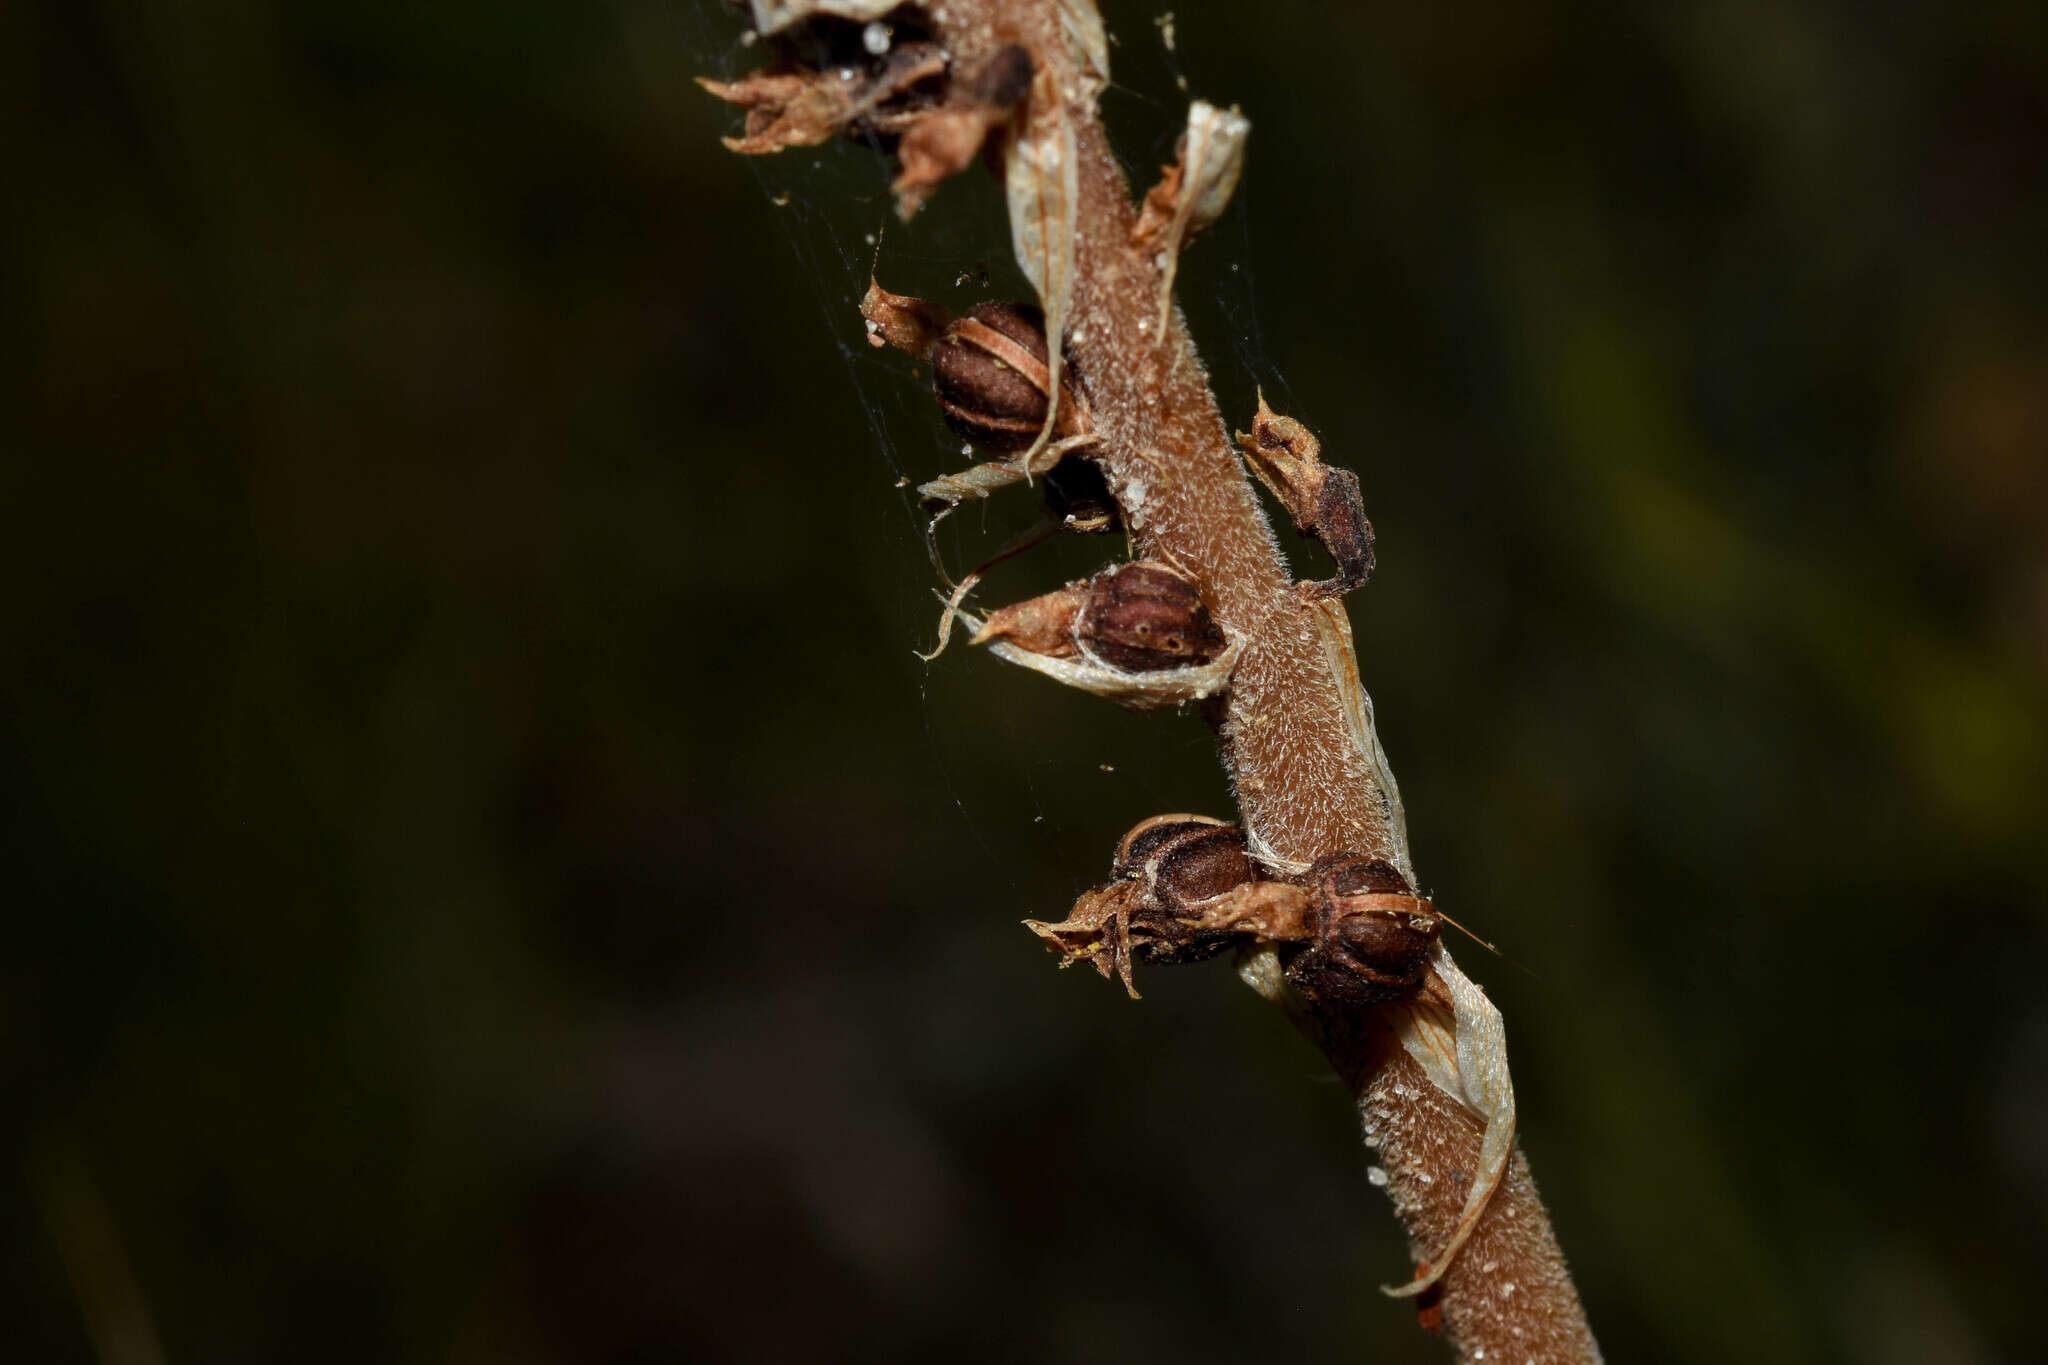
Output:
x=1303 y=785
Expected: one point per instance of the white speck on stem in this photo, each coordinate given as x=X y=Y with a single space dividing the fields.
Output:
x=1376 y=1177
x=875 y=38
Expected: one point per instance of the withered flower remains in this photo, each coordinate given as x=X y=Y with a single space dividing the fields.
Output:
x=1185 y=887
x=1323 y=499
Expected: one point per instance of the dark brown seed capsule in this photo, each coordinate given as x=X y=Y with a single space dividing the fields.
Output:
x=1374 y=936
x=1183 y=861
x=1142 y=617
x=1346 y=875
x=1191 y=858
x=989 y=372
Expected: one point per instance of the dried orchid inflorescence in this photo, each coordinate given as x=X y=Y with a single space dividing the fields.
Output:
x=1343 y=933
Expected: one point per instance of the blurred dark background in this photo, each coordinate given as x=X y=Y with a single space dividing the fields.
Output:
x=489 y=881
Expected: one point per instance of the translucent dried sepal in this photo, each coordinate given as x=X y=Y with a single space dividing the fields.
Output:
x=1193 y=192
x=1334 y=628
x=1081 y=26
x=1140 y=691
x=943 y=494
x=1044 y=199
x=1462 y=1047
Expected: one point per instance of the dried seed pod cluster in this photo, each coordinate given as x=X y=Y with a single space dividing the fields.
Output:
x=1344 y=931
x=1349 y=931
x=1185 y=887
x=884 y=82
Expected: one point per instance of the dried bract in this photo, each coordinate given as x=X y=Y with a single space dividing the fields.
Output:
x=1193 y=192
x=1455 y=1035
x=1323 y=499
x=1081 y=25
x=1039 y=170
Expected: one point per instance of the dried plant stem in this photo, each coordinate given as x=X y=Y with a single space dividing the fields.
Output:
x=1308 y=782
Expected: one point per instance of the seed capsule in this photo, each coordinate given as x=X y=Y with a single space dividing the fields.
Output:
x=1143 y=616
x=1374 y=937
x=1184 y=858
x=1183 y=862
x=1136 y=633
x=989 y=372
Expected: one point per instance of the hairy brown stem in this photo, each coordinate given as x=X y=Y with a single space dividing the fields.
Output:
x=1308 y=782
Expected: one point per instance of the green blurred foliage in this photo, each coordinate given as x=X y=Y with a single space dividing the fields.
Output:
x=491 y=882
